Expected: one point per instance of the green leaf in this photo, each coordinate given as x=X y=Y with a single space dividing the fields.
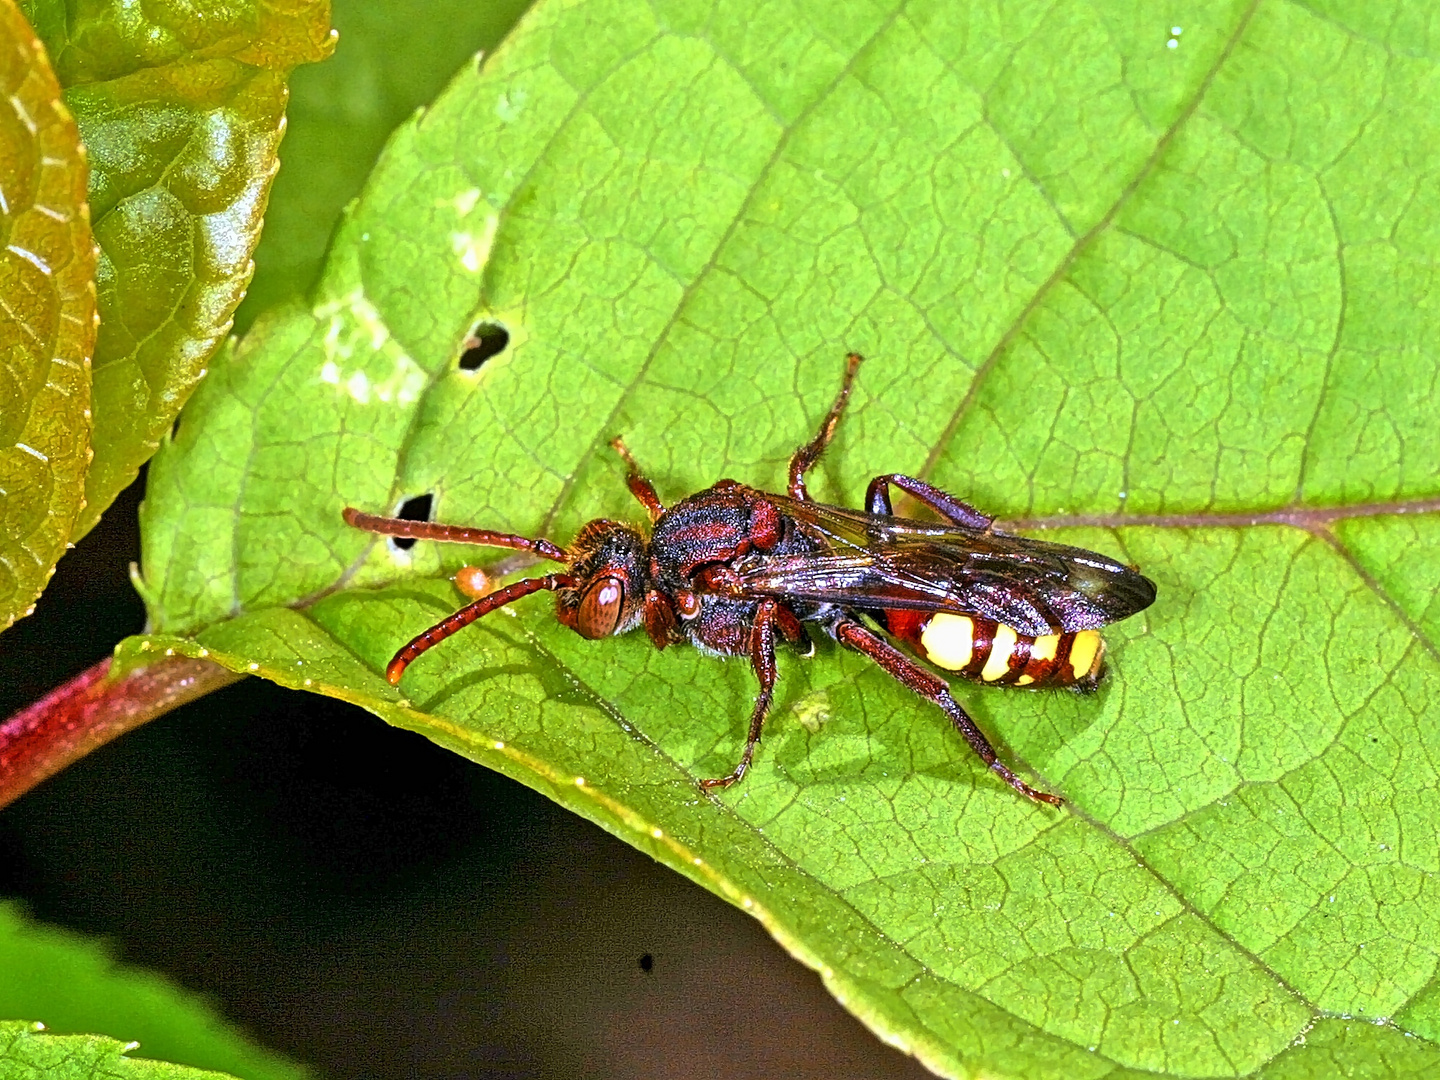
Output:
x=47 y=319
x=76 y=986
x=181 y=112
x=1168 y=288
x=28 y=1054
x=393 y=56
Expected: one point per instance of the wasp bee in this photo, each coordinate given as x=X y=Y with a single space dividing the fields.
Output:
x=737 y=571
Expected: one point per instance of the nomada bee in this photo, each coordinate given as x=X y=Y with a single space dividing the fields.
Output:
x=735 y=571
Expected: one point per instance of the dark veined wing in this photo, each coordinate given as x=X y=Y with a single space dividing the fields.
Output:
x=1035 y=586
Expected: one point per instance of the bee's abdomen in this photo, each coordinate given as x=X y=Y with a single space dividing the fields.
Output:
x=990 y=652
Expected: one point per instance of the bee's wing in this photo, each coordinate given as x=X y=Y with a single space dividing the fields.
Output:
x=872 y=561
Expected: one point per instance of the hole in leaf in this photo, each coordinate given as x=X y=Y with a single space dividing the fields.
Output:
x=647 y=962
x=416 y=508
x=487 y=339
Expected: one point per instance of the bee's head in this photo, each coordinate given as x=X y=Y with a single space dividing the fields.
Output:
x=608 y=562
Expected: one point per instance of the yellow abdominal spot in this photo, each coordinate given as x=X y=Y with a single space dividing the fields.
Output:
x=949 y=640
x=1000 y=650
x=1086 y=653
x=1044 y=648
x=1024 y=680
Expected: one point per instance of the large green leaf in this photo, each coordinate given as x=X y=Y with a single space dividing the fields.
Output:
x=182 y=112
x=1167 y=285
x=47 y=319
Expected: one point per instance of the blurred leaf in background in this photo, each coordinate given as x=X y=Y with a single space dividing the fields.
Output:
x=28 y=1052
x=78 y=987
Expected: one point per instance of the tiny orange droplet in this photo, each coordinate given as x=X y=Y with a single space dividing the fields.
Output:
x=472 y=581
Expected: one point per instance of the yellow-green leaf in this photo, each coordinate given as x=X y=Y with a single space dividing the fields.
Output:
x=47 y=319
x=182 y=109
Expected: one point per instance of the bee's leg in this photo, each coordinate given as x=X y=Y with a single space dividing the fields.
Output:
x=794 y=631
x=805 y=456
x=660 y=621
x=762 y=658
x=877 y=500
x=854 y=636
x=642 y=489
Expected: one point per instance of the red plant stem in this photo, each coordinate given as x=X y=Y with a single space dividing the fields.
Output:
x=91 y=709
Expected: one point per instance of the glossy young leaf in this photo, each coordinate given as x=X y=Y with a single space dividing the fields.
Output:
x=181 y=110
x=47 y=319
x=1168 y=286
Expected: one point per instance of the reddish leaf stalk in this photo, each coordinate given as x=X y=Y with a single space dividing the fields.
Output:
x=91 y=709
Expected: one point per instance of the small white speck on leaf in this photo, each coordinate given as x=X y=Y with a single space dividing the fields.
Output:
x=358 y=387
x=509 y=105
x=473 y=250
x=1177 y=30
x=1172 y=44
x=499 y=746
x=465 y=201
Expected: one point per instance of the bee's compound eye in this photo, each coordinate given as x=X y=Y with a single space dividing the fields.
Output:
x=600 y=608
